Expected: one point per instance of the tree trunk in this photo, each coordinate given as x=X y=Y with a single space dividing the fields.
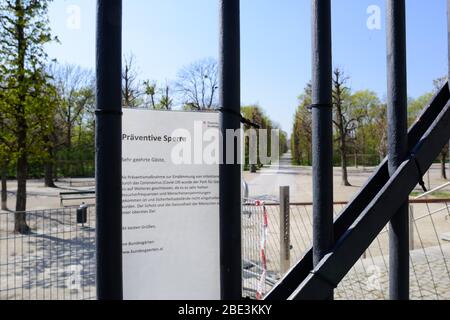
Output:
x=344 y=164
x=443 y=165
x=4 y=189
x=69 y=135
x=344 y=171
x=20 y=223
x=49 y=177
x=55 y=171
x=49 y=166
x=153 y=101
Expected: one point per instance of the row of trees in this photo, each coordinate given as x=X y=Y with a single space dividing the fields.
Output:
x=47 y=110
x=195 y=87
x=256 y=115
x=360 y=125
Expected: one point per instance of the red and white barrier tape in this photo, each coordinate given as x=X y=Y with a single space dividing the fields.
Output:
x=262 y=280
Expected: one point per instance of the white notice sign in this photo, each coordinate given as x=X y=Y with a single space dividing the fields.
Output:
x=170 y=205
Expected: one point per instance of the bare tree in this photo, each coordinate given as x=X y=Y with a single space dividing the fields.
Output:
x=198 y=84
x=70 y=82
x=344 y=120
x=75 y=94
x=131 y=86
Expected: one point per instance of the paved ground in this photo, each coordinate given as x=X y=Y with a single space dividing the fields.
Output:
x=430 y=259
x=429 y=277
x=56 y=261
x=39 y=197
x=266 y=183
x=368 y=279
x=29 y=259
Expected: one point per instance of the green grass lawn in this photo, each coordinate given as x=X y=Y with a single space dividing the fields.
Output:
x=435 y=195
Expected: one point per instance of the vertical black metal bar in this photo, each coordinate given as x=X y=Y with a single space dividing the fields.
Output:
x=448 y=77
x=322 y=130
x=448 y=37
x=109 y=150
x=230 y=174
x=398 y=144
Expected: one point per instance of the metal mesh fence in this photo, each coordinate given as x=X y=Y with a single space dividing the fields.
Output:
x=369 y=277
x=253 y=236
x=55 y=261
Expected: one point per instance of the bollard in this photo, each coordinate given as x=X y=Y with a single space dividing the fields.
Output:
x=285 y=241
x=82 y=214
x=411 y=227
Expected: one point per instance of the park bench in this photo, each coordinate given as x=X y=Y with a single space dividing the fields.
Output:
x=78 y=182
x=76 y=195
x=81 y=183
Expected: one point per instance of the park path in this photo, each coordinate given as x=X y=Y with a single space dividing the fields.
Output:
x=265 y=183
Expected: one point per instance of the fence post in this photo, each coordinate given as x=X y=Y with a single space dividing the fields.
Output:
x=398 y=144
x=108 y=143
x=448 y=66
x=4 y=205
x=285 y=234
x=230 y=170
x=411 y=227
x=322 y=128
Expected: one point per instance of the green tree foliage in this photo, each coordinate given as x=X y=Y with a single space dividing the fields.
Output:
x=415 y=107
x=256 y=115
x=23 y=32
x=370 y=136
x=166 y=101
x=6 y=142
x=301 y=140
x=361 y=118
x=150 y=88
x=414 y=110
x=284 y=147
x=359 y=121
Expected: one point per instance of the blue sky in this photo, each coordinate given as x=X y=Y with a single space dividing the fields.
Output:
x=165 y=35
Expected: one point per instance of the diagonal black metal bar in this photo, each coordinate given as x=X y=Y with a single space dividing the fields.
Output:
x=369 y=224
x=301 y=270
x=109 y=150
x=230 y=172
